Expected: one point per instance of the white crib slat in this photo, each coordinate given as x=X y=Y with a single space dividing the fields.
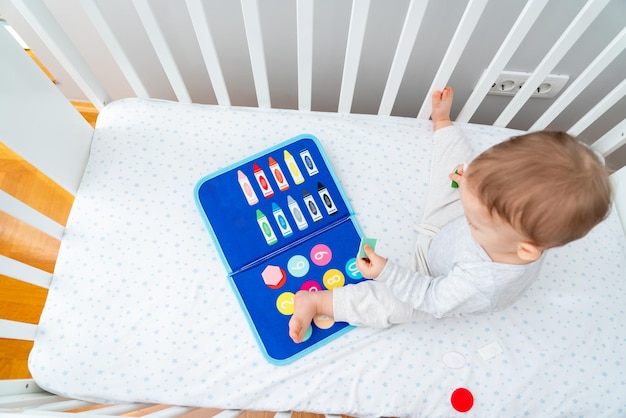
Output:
x=17 y=330
x=18 y=403
x=411 y=26
x=115 y=410
x=356 y=33
x=162 y=49
x=514 y=38
x=23 y=212
x=49 y=30
x=576 y=28
x=21 y=390
x=611 y=140
x=24 y=272
x=62 y=405
x=37 y=414
x=603 y=59
x=25 y=405
x=230 y=413
x=115 y=48
x=208 y=51
x=252 y=23
x=305 y=53
x=602 y=106
x=466 y=26
x=173 y=411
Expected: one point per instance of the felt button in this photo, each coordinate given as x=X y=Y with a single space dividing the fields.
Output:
x=298 y=266
x=490 y=351
x=333 y=278
x=352 y=270
x=321 y=255
x=323 y=321
x=274 y=277
x=284 y=303
x=462 y=400
x=311 y=286
x=453 y=360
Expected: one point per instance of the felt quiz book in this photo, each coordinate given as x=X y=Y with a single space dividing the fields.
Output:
x=282 y=223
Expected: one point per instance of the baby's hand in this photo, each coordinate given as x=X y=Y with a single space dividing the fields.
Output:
x=441 y=106
x=457 y=175
x=373 y=265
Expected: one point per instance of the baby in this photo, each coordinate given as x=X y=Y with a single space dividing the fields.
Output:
x=480 y=246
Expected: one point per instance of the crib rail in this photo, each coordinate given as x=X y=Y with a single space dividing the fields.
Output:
x=270 y=69
x=43 y=404
x=40 y=404
x=25 y=398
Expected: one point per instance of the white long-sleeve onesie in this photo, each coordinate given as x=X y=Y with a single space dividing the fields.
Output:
x=454 y=276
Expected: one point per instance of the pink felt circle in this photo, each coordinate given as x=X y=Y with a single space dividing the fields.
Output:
x=321 y=255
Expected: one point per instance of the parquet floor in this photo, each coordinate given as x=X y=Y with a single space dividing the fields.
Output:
x=18 y=240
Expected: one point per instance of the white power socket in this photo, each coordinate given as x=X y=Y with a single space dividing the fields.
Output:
x=509 y=83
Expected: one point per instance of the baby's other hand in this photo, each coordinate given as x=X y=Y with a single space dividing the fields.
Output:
x=373 y=265
x=457 y=175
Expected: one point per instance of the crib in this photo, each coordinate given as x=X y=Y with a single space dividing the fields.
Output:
x=187 y=88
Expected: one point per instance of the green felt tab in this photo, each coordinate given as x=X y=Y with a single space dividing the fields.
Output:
x=370 y=241
x=454 y=184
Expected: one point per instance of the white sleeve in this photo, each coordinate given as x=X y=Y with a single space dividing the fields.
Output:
x=441 y=296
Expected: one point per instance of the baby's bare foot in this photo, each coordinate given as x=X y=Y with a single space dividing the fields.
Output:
x=305 y=310
x=441 y=105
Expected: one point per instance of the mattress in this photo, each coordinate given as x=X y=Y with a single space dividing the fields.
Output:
x=140 y=308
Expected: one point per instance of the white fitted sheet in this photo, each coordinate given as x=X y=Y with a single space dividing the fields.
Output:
x=140 y=308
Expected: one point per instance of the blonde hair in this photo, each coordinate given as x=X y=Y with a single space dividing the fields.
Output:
x=548 y=186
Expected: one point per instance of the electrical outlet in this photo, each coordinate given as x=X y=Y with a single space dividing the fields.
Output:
x=509 y=83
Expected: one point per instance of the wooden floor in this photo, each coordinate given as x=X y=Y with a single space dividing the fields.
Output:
x=19 y=300
x=23 y=302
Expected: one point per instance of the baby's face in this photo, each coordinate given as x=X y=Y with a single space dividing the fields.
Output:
x=495 y=235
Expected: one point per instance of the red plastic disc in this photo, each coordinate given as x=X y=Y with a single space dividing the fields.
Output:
x=462 y=400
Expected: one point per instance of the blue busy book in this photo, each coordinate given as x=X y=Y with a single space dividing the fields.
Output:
x=282 y=223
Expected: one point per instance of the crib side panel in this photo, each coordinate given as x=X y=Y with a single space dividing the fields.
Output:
x=37 y=121
x=344 y=56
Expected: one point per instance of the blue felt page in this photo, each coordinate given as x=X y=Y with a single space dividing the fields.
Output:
x=326 y=261
x=282 y=224
x=235 y=223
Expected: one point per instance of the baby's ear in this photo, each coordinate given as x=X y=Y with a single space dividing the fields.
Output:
x=528 y=251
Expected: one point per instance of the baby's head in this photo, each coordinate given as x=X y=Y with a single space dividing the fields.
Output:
x=548 y=186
